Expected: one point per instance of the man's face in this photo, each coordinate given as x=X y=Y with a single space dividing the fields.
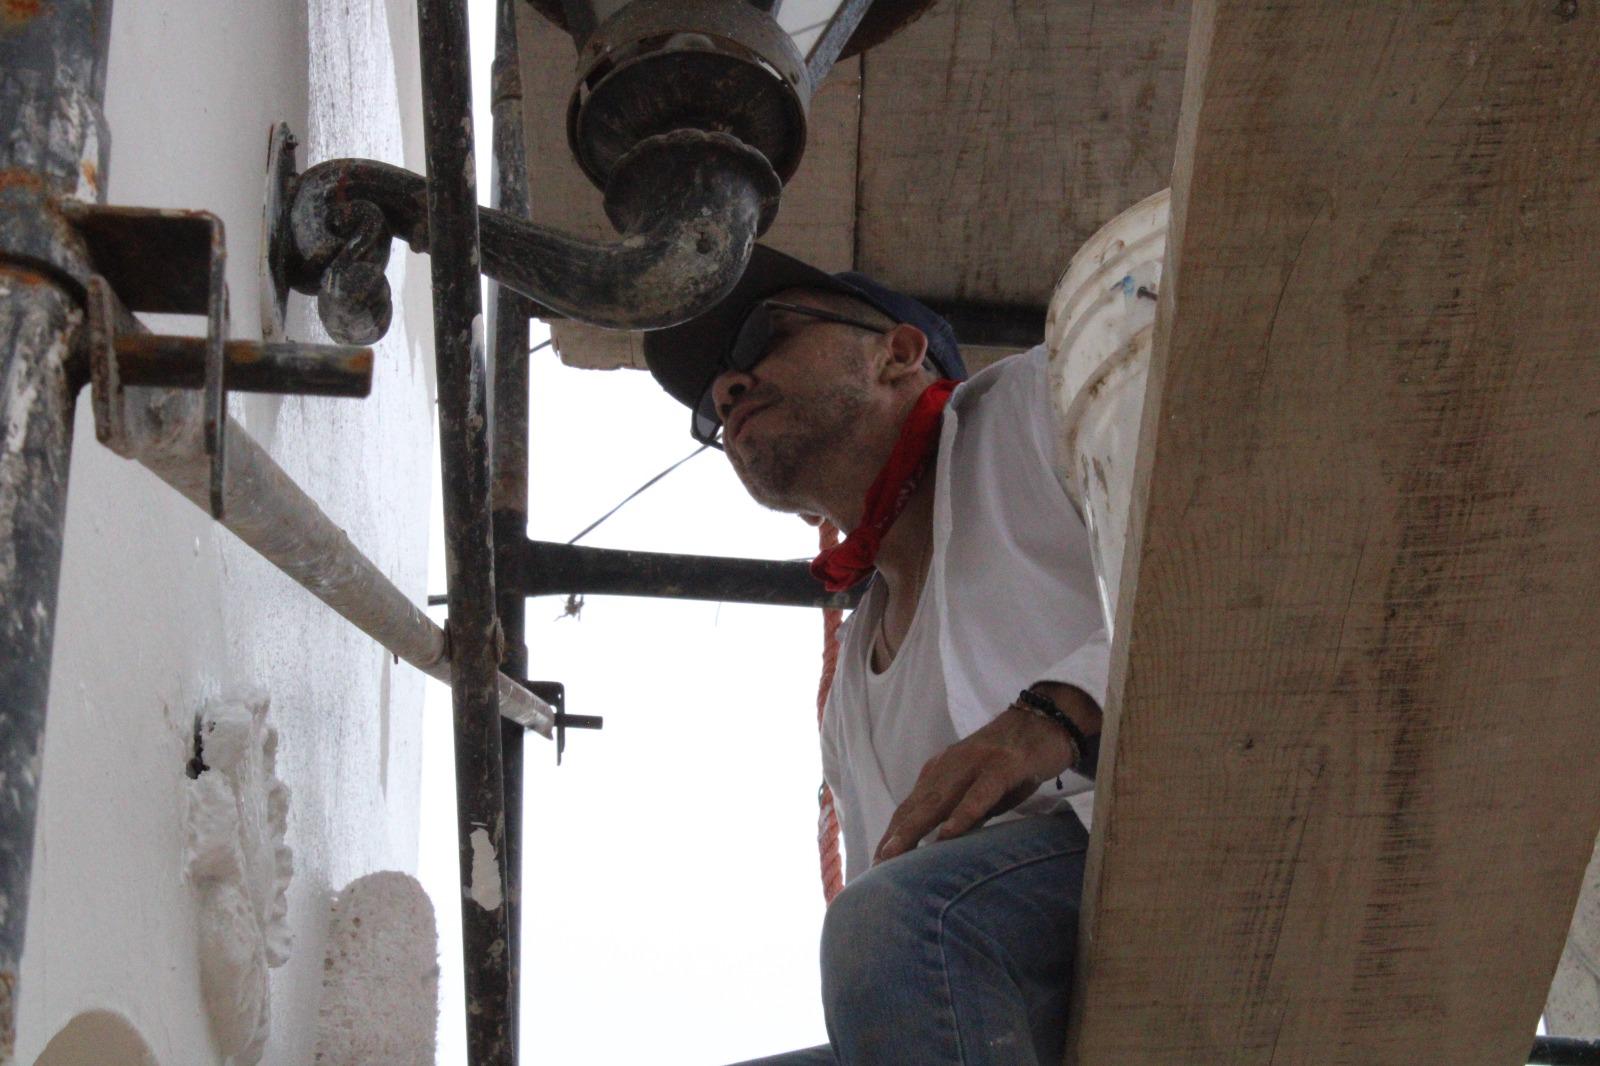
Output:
x=798 y=408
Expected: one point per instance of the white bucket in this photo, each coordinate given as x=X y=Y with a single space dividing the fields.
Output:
x=1102 y=318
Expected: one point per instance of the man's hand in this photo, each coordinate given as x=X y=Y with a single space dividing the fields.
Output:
x=989 y=772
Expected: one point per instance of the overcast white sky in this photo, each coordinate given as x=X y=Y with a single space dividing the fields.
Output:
x=671 y=890
x=671 y=887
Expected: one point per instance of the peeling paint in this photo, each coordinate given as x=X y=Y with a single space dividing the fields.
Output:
x=485 y=887
x=88 y=184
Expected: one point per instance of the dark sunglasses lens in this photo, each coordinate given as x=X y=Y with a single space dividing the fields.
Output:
x=749 y=345
x=752 y=340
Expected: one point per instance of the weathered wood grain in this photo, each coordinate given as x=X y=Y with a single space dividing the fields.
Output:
x=998 y=136
x=1353 y=718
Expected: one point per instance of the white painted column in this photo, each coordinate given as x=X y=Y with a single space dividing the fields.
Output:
x=161 y=611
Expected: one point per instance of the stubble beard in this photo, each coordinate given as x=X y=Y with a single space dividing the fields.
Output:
x=779 y=467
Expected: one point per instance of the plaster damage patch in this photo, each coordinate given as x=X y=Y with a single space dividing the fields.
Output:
x=239 y=868
x=485 y=890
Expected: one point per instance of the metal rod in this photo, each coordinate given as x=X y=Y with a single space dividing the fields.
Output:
x=540 y=568
x=267 y=510
x=509 y=312
x=468 y=532
x=252 y=366
x=1564 y=1051
x=54 y=145
x=997 y=325
x=827 y=48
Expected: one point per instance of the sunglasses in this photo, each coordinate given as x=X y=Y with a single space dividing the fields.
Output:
x=750 y=345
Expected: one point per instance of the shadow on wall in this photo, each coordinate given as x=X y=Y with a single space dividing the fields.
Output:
x=97 y=1038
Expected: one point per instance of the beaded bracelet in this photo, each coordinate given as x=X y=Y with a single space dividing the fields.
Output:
x=1086 y=748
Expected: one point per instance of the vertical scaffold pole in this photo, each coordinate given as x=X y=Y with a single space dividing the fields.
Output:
x=509 y=312
x=469 y=537
x=53 y=143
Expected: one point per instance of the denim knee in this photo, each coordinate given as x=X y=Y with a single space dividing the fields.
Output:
x=872 y=936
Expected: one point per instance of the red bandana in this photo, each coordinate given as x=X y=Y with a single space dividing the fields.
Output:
x=840 y=567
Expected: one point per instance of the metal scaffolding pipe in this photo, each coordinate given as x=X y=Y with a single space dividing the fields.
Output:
x=36 y=321
x=468 y=529
x=54 y=145
x=509 y=312
x=541 y=568
x=1564 y=1051
x=265 y=508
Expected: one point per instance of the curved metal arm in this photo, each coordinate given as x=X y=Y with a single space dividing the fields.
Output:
x=688 y=206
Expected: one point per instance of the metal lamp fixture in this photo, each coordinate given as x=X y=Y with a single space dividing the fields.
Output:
x=689 y=115
x=745 y=68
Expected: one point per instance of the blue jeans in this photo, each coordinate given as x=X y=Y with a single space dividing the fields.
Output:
x=959 y=952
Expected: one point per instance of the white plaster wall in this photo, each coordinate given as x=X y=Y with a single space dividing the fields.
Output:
x=160 y=610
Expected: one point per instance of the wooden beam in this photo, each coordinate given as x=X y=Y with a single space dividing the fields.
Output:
x=997 y=136
x=1351 y=789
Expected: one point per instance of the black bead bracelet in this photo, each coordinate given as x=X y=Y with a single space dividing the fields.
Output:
x=1088 y=748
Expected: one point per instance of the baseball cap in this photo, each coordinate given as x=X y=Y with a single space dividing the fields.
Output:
x=685 y=359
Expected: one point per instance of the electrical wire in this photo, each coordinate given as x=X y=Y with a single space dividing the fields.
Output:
x=591 y=526
x=438 y=598
x=574 y=604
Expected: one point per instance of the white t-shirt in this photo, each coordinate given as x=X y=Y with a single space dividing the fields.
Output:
x=1010 y=599
x=896 y=700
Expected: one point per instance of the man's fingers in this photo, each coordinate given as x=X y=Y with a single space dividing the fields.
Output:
x=981 y=799
x=914 y=820
x=974 y=779
x=930 y=802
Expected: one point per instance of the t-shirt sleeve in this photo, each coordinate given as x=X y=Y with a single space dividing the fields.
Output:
x=1086 y=667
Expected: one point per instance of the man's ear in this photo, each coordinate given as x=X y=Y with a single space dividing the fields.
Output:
x=907 y=348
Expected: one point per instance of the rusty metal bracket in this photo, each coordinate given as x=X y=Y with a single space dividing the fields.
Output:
x=555 y=694
x=120 y=353
x=105 y=381
x=171 y=262
x=281 y=169
x=174 y=262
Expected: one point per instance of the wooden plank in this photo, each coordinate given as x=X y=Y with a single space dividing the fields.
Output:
x=998 y=136
x=1352 y=715
x=817 y=220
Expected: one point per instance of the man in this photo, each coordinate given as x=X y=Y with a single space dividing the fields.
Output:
x=966 y=704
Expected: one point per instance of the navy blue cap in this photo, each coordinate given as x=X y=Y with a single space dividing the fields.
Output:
x=687 y=358
x=942 y=347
